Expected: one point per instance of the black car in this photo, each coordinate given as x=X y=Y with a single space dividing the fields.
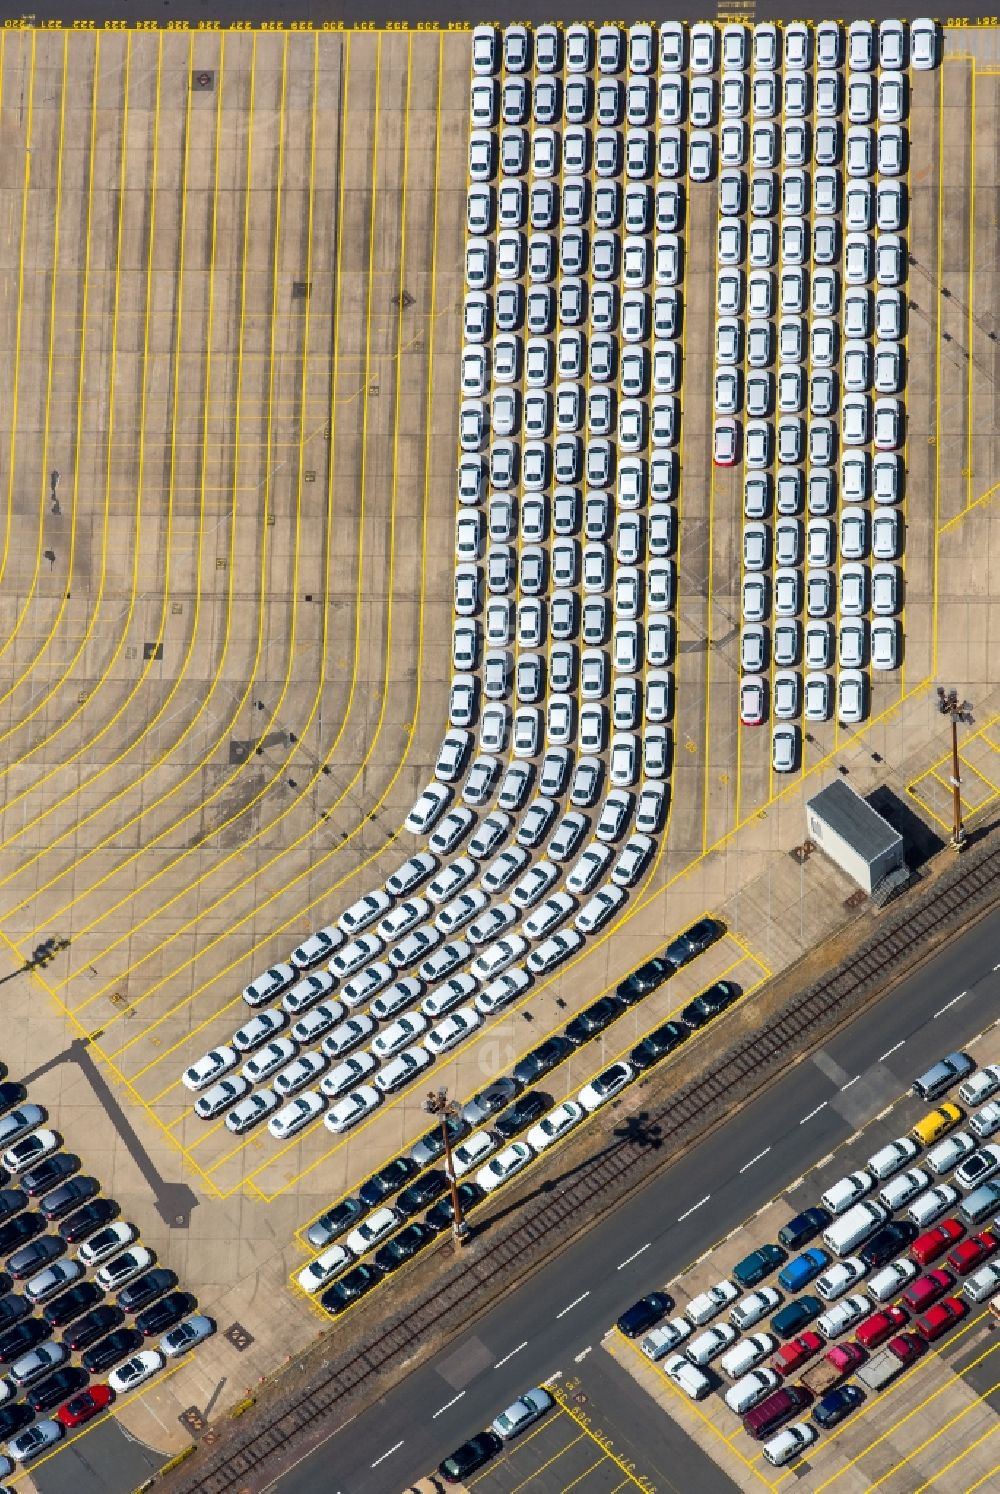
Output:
x=165 y=1313
x=21 y=1338
x=13 y=1418
x=694 y=941
x=74 y=1191
x=593 y=1019
x=11 y=1094
x=49 y=1171
x=84 y=1221
x=343 y=1216
x=145 y=1289
x=56 y=1388
x=87 y=1330
x=12 y=1201
x=31 y=1258
x=110 y=1350
x=525 y=1110
x=470 y=1456
x=753 y=1268
x=388 y=1180
x=12 y=1309
x=440 y=1217
x=837 y=1404
x=888 y=1242
x=710 y=1003
x=541 y=1059
x=404 y=1246
x=19 y=1230
x=352 y=1285
x=657 y=1044
x=642 y=1315
x=69 y=1305
x=422 y=1192
x=489 y=1100
x=643 y=980
x=804 y=1227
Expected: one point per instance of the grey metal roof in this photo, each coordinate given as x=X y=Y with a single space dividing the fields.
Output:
x=854 y=820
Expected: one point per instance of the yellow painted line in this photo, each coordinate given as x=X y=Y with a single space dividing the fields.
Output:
x=937 y=377
x=13 y=632
x=987 y=1478
x=575 y=1417
x=959 y=1458
x=26 y=184
x=986 y=497
x=970 y=292
x=24 y=676
x=709 y=1426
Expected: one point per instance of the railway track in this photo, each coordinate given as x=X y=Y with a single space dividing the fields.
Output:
x=631 y=1156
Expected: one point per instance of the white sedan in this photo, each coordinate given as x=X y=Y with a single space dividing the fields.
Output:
x=504 y=1165
x=453 y=1030
x=353 y=1108
x=555 y=1125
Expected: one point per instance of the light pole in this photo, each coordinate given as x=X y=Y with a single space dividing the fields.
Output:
x=949 y=705
x=437 y=1103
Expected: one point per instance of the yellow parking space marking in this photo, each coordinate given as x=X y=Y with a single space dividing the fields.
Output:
x=940 y=772
x=15 y=387
x=987 y=1478
x=711 y=1431
x=939 y=1473
x=873 y=1407
x=581 y=1420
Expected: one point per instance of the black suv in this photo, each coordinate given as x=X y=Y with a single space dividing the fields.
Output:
x=87 y=1330
x=541 y=1059
x=710 y=1003
x=440 y=1217
x=110 y=1350
x=593 y=1019
x=50 y=1170
x=694 y=941
x=525 y=1110
x=388 y=1180
x=146 y=1289
x=404 y=1246
x=21 y=1338
x=74 y=1191
x=422 y=1192
x=648 y=976
x=69 y=1305
x=56 y=1388
x=352 y=1285
x=657 y=1044
x=84 y=1221
x=642 y=1315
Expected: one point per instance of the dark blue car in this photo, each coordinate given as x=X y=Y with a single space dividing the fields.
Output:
x=752 y=1269
x=804 y=1227
x=837 y=1404
x=803 y=1268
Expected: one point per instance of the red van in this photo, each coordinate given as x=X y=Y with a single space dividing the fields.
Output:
x=772 y=1412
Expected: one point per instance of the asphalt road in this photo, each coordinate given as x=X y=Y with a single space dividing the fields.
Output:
x=563 y=1310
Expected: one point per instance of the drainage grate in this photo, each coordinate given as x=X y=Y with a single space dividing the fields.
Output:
x=203 y=82
x=192 y=1420
x=238 y=1337
x=301 y=290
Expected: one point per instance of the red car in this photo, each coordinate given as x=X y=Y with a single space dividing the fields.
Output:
x=965 y=1257
x=942 y=1316
x=927 y=1289
x=908 y=1347
x=796 y=1352
x=876 y=1329
x=935 y=1242
x=80 y=1408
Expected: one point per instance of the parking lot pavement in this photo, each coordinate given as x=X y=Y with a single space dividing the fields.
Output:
x=934 y=1425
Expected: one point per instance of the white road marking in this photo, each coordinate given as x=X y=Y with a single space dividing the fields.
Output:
x=889 y=1051
x=634 y=1256
x=511 y=1354
x=812 y=1113
x=447 y=1405
x=747 y=1165
x=947 y=1004
x=575 y=1303
x=577 y=1359
x=387 y=1454
x=682 y=1217
x=849 y=1083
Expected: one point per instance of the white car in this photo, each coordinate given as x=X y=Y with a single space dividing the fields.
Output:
x=106 y=1243
x=948 y=1153
x=756 y=1305
x=453 y=1030
x=373 y=1231
x=352 y=1109
x=848 y=1191
x=887 y=1284
x=124 y=1268
x=667 y=1336
x=843 y=1316
x=504 y=1165
x=888 y=1160
x=296 y=1116
x=840 y=1278
x=747 y=1354
x=682 y=1373
x=204 y=1071
x=707 y=1305
x=710 y=1344
x=932 y=1204
x=606 y=1085
x=555 y=1125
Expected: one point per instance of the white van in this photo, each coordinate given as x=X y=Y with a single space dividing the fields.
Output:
x=747 y=1354
x=847 y=1191
x=848 y=1232
x=751 y=1389
x=789 y=1443
x=980 y=1203
x=684 y=1375
x=890 y=1281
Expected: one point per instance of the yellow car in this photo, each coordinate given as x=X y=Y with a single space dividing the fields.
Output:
x=934 y=1125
